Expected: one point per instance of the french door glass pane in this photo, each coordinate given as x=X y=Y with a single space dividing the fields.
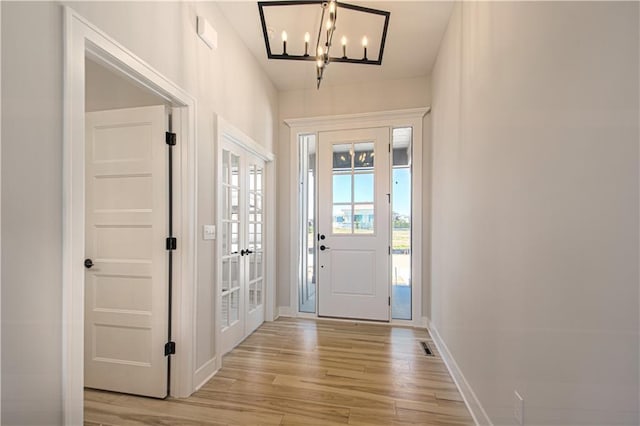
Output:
x=252 y=177
x=252 y=296
x=225 y=275
x=235 y=169
x=235 y=237
x=252 y=267
x=234 y=306
x=259 y=292
x=225 y=311
x=234 y=272
x=259 y=265
x=224 y=236
x=226 y=167
x=259 y=173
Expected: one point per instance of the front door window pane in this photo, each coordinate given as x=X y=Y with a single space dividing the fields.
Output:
x=353 y=188
x=341 y=188
x=363 y=155
x=363 y=219
x=363 y=188
x=342 y=156
x=342 y=219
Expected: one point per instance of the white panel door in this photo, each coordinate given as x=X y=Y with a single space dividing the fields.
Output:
x=353 y=224
x=126 y=294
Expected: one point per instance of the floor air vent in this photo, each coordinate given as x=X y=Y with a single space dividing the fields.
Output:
x=427 y=350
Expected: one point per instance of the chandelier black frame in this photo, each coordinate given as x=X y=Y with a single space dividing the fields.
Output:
x=322 y=55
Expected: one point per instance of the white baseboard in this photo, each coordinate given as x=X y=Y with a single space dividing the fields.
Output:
x=478 y=413
x=286 y=311
x=204 y=373
x=425 y=322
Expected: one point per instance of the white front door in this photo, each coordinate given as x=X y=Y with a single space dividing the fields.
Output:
x=242 y=223
x=353 y=224
x=126 y=297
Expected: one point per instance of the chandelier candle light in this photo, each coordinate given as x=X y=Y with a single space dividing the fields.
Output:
x=328 y=20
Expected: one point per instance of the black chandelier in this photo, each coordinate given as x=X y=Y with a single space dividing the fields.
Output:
x=328 y=19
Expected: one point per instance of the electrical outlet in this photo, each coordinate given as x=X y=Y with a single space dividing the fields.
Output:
x=518 y=408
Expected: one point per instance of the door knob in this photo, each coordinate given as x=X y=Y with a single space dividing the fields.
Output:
x=88 y=263
x=323 y=247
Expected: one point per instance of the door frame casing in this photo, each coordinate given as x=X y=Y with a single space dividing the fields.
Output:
x=225 y=130
x=83 y=39
x=314 y=125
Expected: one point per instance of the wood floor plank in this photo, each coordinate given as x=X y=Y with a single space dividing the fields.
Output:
x=118 y=415
x=307 y=372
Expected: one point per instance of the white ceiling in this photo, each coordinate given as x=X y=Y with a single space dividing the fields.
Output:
x=413 y=39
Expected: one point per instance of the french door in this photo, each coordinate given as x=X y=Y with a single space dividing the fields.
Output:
x=353 y=224
x=241 y=267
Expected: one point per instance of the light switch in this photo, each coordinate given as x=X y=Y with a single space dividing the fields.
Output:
x=208 y=232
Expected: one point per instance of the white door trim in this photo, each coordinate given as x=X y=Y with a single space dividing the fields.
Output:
x=225 y=130
x=81 y=39
x=0 y=210
x=398 y=118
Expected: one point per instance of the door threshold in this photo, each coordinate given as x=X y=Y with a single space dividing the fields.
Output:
x=356 y=320
x=390 y=323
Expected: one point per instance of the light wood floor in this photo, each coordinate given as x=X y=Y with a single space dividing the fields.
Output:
x=305 y=372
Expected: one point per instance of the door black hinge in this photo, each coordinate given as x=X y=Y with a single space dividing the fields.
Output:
x=389 y=249
x=172 y=243
x=389 y=147
x=170 y=138
x=169 y=348
x=389 y=300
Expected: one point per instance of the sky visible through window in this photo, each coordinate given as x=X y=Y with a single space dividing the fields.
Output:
x=401 y=194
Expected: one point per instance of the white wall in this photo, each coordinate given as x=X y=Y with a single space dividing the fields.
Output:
x=334 y=100
x=105 y=90
x=227 y=81
x=535 y=207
